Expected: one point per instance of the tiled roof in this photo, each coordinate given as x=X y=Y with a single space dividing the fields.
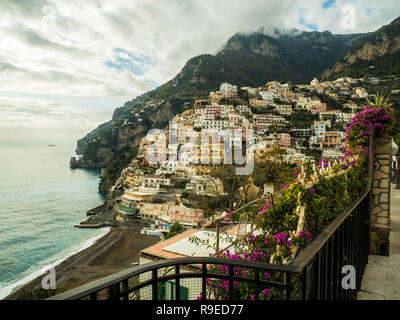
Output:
x=157 y=249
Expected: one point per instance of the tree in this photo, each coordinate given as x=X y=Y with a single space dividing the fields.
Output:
x=235 y=187
x=225 y=190
x=175 y=229
x=243 y=94
x=271 y=169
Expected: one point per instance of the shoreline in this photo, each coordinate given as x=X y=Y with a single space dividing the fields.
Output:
x=111 y=253
x=37 y=272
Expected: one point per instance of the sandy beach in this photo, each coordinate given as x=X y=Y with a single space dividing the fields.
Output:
x=114 y=252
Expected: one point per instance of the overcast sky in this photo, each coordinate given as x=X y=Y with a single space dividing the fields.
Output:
x=66 y=65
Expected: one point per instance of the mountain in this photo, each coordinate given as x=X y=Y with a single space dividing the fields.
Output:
x=245 y=60
x=294 y=56
x=377 y=54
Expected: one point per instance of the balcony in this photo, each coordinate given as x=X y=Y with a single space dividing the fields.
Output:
x=314 y=274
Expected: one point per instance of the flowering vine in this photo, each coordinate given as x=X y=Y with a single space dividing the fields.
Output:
x=323 y=191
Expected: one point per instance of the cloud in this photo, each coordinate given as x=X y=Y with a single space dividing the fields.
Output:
x=118 y=49
x=328 y=3
x=303 y=22
x=125 y=60
x=102 y=48
x=28 y=120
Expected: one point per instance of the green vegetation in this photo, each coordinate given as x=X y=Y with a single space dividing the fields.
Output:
x=122 y=161
x=125 y=209
x=39 y=293
x=175 y=229
x=180 y=184
x=91 y=150
x=331 y=104
x=301 y=119
x=332 y=196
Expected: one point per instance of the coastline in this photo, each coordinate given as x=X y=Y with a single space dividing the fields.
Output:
x=37 y=272
x=111 y=253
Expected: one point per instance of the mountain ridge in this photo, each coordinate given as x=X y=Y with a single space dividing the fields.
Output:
x=376 y=55
x=245 y=60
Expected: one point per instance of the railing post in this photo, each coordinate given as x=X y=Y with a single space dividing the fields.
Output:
x=256 y=284
x=230 y=282
x=177 y=283
x=329 y=258
x=125 y=285
x=288 y=285
x=203 y=282
x=317 y=276
x=155 y=284
x=304 y=283
x=113 y=292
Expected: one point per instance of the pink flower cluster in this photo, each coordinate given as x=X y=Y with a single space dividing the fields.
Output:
x=283 y=187
x=323 y=163
x=370 y=117
x=266 y=206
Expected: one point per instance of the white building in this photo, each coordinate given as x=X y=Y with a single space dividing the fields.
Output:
x=319 y=128
x=211 y=124
x=227 y=87
x=343 y=117
x=315 y=82
x=284 y=109
x=267 y=95
x=250 y=90
x=243 y=109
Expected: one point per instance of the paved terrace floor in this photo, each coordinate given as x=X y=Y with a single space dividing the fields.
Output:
x=381 y=279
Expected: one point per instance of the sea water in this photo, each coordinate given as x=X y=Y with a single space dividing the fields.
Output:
x=41 y=199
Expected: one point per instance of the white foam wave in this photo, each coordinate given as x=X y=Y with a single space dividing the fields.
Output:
x=37 y=270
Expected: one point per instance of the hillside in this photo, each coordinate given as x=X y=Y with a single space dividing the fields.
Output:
x=378 y=54
x=245 y=60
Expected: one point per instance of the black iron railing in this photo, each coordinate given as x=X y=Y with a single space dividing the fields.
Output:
x=316 y=273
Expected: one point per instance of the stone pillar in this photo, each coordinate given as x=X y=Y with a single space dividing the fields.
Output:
x=380 y=213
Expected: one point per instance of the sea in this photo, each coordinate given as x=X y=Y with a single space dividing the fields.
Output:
x=41 y=199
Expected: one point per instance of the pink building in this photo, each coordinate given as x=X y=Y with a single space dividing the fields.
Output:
x=283 y=139
x=320 y=108
x=331 y=139
x=212 y=112
x=186 y=216
x=231 y=95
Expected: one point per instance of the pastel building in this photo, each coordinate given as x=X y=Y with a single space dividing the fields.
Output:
x=181 y=246
x=227 y=87
x=319 y=128
x=332 y=139
x=283 y=139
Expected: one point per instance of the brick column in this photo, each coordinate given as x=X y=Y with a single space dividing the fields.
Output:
x=380 y=214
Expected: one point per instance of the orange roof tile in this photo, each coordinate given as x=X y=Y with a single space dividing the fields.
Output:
x=157 y=249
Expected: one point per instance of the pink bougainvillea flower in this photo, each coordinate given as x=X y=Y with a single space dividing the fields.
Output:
x=266 y=292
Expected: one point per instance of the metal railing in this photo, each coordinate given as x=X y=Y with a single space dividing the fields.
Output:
x=316 y=273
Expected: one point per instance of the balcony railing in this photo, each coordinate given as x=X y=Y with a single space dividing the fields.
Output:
x=315 y=274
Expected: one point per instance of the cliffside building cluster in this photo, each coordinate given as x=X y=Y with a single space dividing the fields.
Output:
x=303 y=120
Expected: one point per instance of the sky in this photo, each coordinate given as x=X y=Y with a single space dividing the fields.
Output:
x=66 y=65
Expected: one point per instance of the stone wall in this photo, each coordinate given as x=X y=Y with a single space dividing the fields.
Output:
x=380 y=214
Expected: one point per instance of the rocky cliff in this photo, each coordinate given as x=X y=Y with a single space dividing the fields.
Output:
x=375 y=55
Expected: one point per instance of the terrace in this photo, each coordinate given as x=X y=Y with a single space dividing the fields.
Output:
x=310 y=241
x=314 y=273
